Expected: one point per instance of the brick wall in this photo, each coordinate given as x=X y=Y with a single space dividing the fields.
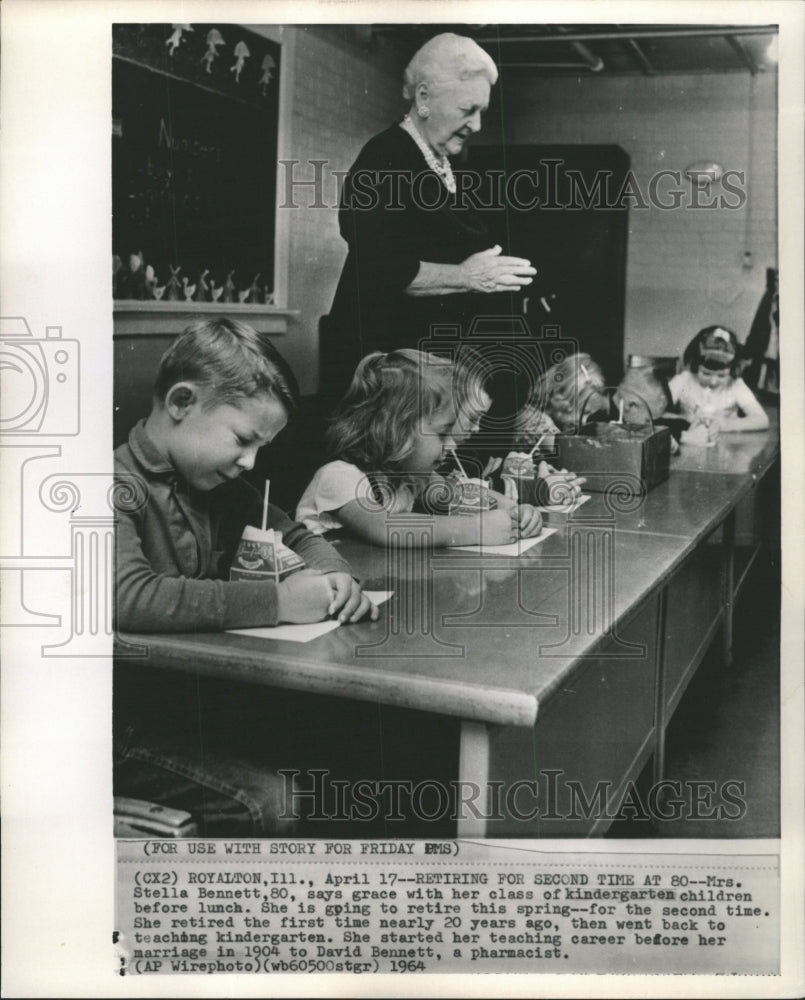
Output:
x=684 y=266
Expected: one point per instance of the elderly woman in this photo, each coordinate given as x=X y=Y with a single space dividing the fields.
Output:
x=419 y=253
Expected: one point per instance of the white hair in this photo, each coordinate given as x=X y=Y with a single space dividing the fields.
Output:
x=447 y=58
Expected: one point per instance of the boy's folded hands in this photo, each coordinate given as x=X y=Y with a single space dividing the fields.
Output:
x=348 y=600
x=308 y=596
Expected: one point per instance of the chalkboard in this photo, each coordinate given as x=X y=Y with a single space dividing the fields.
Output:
x=194 y=159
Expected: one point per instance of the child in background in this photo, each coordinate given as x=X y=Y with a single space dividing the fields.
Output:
x=387 y=438
x=710 y=394
x=566 y=396
x=181 y=740
x=645 y=398
x=473 y=402
x=222 y=392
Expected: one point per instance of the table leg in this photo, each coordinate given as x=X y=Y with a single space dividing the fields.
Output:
x=659 y=687
x=728 y=584
x=473 y=774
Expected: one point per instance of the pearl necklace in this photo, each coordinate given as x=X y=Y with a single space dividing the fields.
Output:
x=441 y=167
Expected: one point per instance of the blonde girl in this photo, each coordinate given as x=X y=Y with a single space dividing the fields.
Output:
x=387 y=439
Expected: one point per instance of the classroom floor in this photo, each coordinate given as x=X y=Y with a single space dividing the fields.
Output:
x=727 y=725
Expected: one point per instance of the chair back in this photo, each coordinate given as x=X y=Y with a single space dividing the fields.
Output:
x=663 y=366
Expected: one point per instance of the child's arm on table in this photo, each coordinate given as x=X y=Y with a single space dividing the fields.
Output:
x=699 y=435
x=557 y=486
x=148 y=601
x=310 y=596
x=755 y=417
x=494 y=527
x=529 y=519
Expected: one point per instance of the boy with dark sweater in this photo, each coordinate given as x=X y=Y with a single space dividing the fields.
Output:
x=221 y=393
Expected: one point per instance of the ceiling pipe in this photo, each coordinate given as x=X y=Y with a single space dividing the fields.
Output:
x=552 y=65
x=743 y=55
x=589 y=36
x=641 y=57
x=594 y=62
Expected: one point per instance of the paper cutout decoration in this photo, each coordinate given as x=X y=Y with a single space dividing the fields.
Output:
x=176 y=38
x=254 y=292
x=229 y=291
x=241 y=55
x=174 y=288
x=202 y=287
x=150 y=282
x=214 y=39
x=267 y=66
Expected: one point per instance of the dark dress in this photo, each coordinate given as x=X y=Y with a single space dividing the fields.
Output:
x=394 y=213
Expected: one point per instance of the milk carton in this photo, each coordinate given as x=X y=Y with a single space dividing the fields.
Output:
x=261 y=555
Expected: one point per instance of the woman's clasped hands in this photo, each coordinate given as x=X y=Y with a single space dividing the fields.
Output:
x=491 y=271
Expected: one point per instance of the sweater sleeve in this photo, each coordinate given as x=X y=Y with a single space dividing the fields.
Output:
x=147 y=601
x=748 y=401
x=317 y=553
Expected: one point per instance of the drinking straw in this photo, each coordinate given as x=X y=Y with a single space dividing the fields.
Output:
x=265 y=504
x=461 y=468
x=542 y=438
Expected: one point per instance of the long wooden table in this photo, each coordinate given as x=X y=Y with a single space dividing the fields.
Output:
x=563 y=665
